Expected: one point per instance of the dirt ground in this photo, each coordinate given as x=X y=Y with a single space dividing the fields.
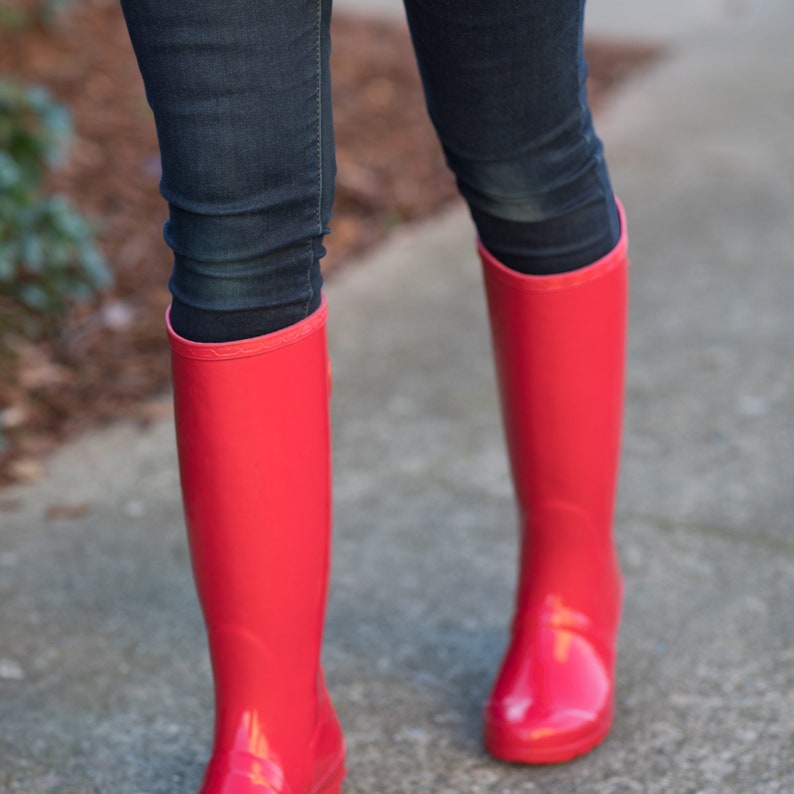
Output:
x=109 y=358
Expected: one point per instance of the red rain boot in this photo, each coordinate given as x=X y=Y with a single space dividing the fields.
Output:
x=253 y=436
x=559 y=347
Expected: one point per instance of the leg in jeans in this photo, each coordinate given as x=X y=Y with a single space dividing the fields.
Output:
x=240 y=95
x=505 y=88
x=504 y=82
x=241 y=98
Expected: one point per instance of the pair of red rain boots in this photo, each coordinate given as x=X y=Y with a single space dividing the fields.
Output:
x=253 y=438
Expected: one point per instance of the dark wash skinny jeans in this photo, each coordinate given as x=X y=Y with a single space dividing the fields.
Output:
x=240 y=91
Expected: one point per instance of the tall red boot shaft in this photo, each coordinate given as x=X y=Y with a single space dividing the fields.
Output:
x=559 y=346
x=253 y=436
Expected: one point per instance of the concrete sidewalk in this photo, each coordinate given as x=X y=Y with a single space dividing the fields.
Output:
x=104 y=682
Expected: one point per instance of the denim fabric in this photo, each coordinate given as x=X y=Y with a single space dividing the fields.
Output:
x=241 y=97
x=240 y=91
x=505 y=88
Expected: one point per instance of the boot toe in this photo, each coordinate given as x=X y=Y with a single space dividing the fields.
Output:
x=547 y=707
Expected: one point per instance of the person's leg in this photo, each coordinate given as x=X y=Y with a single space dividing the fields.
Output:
x=240 y=96
x=505 y=89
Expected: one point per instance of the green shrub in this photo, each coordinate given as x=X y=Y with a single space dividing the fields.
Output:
x=19 y=14
x=48 y=257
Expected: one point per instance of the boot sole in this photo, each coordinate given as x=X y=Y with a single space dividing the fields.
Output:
x=518 y=752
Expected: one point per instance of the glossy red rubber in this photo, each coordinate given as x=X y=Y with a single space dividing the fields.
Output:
x=559 y=345
x=253 y=437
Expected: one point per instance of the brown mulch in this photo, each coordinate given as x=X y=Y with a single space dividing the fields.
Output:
x=109 y=358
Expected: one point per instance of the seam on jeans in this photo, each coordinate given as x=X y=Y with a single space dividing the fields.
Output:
x=581 y=97
x=310 y=260
x=319 y=114
x=319 y=151
x=585 y=110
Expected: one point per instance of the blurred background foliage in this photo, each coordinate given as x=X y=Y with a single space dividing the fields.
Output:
x=48 y=257
x=19 y=14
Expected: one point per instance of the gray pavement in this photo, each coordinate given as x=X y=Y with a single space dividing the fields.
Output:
x=104 y=683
